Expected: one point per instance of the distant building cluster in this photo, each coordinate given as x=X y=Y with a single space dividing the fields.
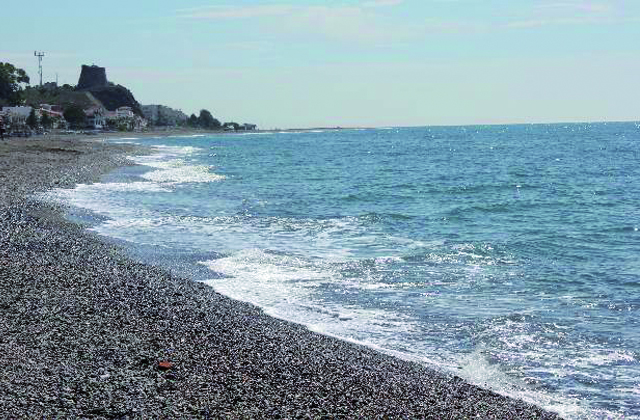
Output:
x=161 y=115
x=15 y=118
x=231 y=126
x=96 y=104
x=122 y=119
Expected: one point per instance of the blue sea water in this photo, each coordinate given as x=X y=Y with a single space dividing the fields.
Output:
x=508 y=255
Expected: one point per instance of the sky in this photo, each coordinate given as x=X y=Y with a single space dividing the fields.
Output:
x=305 y=63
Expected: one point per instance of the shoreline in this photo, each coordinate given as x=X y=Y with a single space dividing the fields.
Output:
x=85 y=330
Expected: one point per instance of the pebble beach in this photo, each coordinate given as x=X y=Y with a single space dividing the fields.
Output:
x=86 y=332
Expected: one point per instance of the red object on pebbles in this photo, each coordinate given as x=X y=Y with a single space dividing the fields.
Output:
x=164 y=365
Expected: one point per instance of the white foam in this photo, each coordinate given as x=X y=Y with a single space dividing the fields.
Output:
x=137 y=224
x=286 y=286
x=173 y=166
x=266 y=268
x=124 y=187
x=384 y=260
x=164 y=153
x=178 y=150
x=603 y=358
x=94 y=197
x=184 y=174
x=125 y=141
x=476 y=369
x=277 y=284
x=263 y=133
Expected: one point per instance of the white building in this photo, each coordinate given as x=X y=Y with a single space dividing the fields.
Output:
x=124 y=112
x=96 y=117
x=125 y=119
x=15 y=117
x=55 y=115
x=163 y=115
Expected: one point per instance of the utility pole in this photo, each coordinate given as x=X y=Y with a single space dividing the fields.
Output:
x=39 y=55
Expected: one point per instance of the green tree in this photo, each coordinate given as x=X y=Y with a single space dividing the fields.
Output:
x=32 y=119
x=206 y=120
x=46 y=120
x=192 y=121
x=75 y=116
x=11 y=79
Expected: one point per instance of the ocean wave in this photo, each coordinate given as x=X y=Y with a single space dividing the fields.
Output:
x=92 y=196
x=183 y=173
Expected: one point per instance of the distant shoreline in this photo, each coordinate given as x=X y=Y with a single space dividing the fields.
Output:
x=187 y=131
x=157 y=132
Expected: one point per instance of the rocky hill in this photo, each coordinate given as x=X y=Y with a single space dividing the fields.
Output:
x=115 y=96
x=93 y=79
x=63 y=96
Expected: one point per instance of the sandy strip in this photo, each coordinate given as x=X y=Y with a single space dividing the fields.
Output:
x=86 y=332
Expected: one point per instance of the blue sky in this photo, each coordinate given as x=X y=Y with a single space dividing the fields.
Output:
x=347 y=63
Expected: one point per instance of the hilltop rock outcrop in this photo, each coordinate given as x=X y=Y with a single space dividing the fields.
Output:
x=115 y=96
x=93 y=79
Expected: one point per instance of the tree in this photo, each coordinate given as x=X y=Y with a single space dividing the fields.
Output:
x=206 y=120
x=10 y=79
x=32 y=119
x=46 y=120
x=75 y=116
x=192 y=121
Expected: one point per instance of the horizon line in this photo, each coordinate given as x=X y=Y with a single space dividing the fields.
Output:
x=364 y=127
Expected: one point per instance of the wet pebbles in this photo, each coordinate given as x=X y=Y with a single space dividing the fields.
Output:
x=87 y=333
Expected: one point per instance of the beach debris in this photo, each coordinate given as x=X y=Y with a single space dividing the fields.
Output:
x=165 y=365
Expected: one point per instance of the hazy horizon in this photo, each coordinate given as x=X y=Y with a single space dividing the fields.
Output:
x=376 y=63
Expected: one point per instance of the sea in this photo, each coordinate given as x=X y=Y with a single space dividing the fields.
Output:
x=508 y=255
